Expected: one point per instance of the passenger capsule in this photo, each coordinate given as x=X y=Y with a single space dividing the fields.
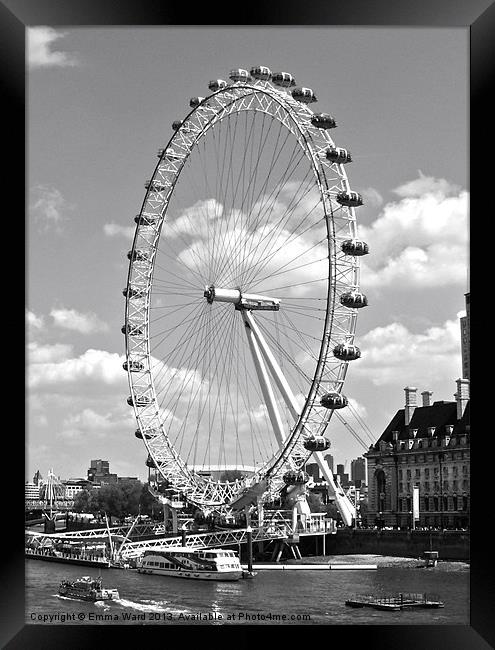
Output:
x=137 y=255
x=323 y=121
x=133 y=366
x=304 y=95
x=194 y=102
x=334 y=401
x=317 y=443
x=295 y=477
x=146 y=220
x=350 y=199
x=354 y=300
x=148 y=435
x=283 y=79
x=155 y=186
x=355 y=247
x=150 y=462
x=339 y=155
x=131 y=292
x=217 y=84
x=176 y=124
x=141 y=400
x=240 y=75
x=346 y=352
x=132 y=330
x=261 y=72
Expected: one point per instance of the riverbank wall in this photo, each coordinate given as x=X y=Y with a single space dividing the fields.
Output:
x=450 y=544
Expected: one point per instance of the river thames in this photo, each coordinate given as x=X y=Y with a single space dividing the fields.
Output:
x=273 y=597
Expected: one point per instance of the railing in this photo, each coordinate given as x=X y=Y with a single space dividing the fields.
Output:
x=42 y=504
x=204 y=540
x=276 y=526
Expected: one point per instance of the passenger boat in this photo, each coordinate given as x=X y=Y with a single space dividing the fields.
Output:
x=195 y=564
x=86 y=588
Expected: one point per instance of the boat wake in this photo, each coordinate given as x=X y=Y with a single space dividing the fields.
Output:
x=144 y=606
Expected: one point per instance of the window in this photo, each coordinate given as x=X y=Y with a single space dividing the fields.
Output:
x=417 y=473
x=427 y=472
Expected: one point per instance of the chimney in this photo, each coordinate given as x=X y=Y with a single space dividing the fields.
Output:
x=410 y=403
x=426 y=395
x=462 y=396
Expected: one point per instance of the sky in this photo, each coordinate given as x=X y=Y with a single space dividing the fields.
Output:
x=100 y=104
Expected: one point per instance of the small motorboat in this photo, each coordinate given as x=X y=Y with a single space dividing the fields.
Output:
x=86 y=588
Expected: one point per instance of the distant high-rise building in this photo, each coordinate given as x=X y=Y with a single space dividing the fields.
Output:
x=329 y=461
x=99 y=472
x=32 y=491
x=340 y=469
x=465 y=341
x=313 y=470
x=358 y=470
x=37 y=478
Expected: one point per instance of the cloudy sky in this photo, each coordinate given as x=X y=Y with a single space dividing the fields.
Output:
x=100 y=104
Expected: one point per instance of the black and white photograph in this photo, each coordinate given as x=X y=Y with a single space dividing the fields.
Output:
x=247 y=313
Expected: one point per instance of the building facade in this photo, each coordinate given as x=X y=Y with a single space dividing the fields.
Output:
x=99 y=472
x=31 y=492
x=466 y=340
x=428 y=447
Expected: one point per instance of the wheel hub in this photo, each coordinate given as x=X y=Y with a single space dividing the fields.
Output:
x=239 y=299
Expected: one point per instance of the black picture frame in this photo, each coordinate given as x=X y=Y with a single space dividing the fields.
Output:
x=477 y=16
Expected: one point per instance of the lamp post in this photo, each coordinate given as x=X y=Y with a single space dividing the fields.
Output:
x=249 y=535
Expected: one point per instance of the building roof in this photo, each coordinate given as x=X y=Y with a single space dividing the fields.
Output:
x=438 y=415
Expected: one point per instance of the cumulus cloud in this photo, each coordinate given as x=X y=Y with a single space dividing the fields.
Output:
x=372 y=197
x=90 y=423
x=34 y=322
x=41 y=52
x=426 y=185
x=49 y=208
x=76 y=321
x=419 y=241
x=55 y=353
x=92 y=371
x=116 y=230
x=392 y=354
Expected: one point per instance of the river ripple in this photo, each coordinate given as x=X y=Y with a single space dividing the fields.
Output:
x=272 y=597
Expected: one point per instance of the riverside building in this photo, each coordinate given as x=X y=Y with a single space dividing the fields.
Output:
x=425 y=447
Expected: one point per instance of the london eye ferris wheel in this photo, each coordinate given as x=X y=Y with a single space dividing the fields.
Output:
x=242 y=292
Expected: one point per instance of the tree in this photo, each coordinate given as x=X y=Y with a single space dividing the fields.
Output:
x=149 y=505
x=333 y=512
x=81 y=501
x=115 y=499
x=231 y=475
x=315 y=502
